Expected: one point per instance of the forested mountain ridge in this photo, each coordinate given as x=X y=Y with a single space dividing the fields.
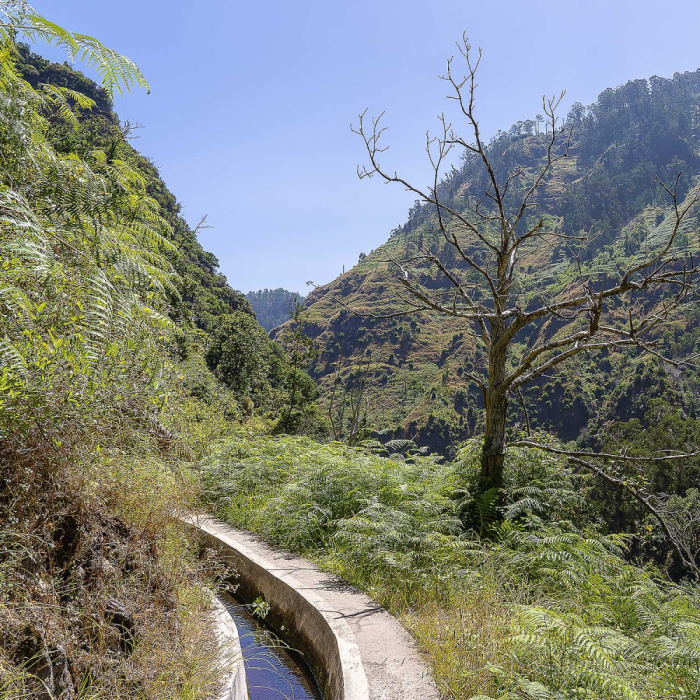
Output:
x=606 y=187
x=273 y=307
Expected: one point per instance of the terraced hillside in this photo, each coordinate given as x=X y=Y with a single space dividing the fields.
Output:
x=605 y=191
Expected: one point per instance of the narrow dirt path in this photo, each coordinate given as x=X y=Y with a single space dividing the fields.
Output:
x=392 y=663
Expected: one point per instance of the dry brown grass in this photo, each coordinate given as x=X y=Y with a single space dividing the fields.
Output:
x=101 y=590
x=462 y=641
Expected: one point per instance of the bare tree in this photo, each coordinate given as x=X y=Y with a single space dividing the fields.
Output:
x=490 y=233
x=349 y=404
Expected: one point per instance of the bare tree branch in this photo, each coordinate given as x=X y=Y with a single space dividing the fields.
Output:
x=688 y=558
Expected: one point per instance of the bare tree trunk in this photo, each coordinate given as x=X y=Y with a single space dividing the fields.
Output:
x=496 y=398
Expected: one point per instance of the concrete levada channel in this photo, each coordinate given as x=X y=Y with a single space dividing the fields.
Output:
x=274 y=671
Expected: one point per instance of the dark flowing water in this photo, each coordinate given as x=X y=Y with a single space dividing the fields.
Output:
x=274 y=671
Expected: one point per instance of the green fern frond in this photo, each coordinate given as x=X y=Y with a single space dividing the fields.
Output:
x=129 y=178
x=82 y=101
x=14 y=300
x=399 y=445
x=119 y=74
x=11 y=359
x=59 y=101
x=535 y=690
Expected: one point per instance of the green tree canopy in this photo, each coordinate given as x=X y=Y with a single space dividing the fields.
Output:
x=238 y=353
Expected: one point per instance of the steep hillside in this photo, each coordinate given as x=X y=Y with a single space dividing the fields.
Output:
x=201 y=303
x=107 y=306
x=606 y=188
x=203 y=294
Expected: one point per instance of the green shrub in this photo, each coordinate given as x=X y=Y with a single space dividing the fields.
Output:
x=238 y=354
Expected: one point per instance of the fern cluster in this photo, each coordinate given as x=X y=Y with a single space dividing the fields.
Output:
x=572 y=617
x=84 y=274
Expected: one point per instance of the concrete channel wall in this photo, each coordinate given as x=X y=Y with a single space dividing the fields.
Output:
x=326 y=641
x=234 y=686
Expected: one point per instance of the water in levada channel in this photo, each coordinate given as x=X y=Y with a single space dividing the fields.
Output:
x=274 y=671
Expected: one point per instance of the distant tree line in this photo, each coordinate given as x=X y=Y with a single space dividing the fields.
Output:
x=273 y=307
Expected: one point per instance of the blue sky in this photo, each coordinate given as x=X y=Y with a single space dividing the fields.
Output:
x=249 y=116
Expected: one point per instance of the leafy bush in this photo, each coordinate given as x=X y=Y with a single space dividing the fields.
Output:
x=238 y=354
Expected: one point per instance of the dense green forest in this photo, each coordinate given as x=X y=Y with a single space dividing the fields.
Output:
x=273 y=307
x=136 y=385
